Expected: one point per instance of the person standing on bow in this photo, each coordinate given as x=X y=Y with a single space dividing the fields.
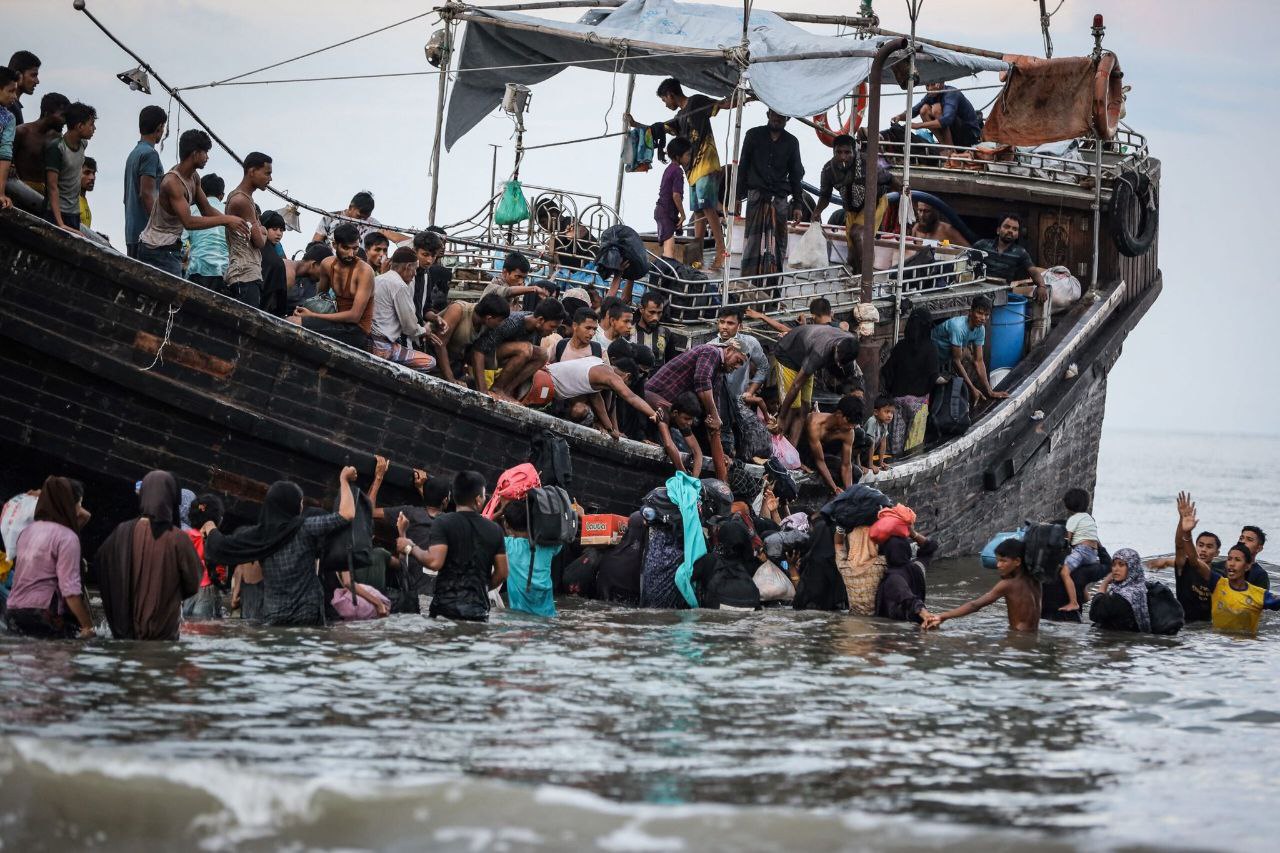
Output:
x=769 y=176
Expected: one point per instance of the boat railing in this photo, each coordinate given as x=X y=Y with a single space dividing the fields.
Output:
x=694 y=295
x=1075 y=164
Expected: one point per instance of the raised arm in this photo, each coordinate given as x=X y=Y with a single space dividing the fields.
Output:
x=1187 y=522
x=346 y=500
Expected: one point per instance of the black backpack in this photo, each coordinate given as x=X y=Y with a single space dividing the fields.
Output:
x=1164 y=609
x=660 y=511
x=950 y=408
x=618 y=574
x=549 y=453
x=1046 y=548
x=552 y=519
x=580 y=575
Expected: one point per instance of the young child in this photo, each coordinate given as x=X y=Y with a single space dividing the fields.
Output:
x=668 y=213
x=1019 y=589
x=1082 y=535
x=877 y=430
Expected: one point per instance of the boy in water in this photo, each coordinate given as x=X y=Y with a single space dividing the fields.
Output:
x=1017 y=586
x=1082 y=535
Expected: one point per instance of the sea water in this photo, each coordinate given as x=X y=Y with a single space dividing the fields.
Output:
x=619 y=730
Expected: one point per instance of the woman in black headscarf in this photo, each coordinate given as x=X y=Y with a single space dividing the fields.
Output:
x=287 y=546
x=148 y=566
x=724 y=578
x=908 y=377
x=902 y=591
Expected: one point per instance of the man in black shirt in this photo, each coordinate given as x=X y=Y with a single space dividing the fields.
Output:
x=1006 y=259
x=467 y=550
x=769 y=172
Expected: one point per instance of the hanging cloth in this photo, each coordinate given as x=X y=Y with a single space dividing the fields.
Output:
x=684 y=491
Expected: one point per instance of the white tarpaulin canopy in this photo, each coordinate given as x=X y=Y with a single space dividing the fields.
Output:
x=693 y=42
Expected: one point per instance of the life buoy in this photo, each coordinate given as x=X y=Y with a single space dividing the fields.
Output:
x=1108 y=96
x=1135 y=214
x=852 y=123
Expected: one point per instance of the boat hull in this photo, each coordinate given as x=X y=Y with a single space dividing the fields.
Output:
x=112 y=368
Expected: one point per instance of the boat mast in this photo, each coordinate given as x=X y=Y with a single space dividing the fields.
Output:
x=739 y=97
x=1098 y=31
x=904 y=198
x=626 y=140
x=874 y=79
x=446 y=15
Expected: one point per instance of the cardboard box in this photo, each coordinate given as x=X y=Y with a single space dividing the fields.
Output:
x=603 y=529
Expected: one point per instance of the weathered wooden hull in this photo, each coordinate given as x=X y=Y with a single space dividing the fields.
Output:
x=112 y=368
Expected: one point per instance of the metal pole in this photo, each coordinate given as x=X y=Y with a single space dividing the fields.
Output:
x=873 y=157
x=904 y=200
x=626 y=140
x=440 y=97
x=730 y=211
x=493 y=192
x=1097 y=214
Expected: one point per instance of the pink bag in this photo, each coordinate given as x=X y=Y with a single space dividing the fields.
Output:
x=892 y=521
x=358 y=610
x=513 y=485
x=785 y=452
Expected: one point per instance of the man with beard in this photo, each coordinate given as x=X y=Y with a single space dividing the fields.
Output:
x=929 y=226
x=1007 y=260
x=244 y=247
x=351 y=280
x=845 y=173
x=769 y=171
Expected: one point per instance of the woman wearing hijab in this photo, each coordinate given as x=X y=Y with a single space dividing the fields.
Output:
x=287 y=546
x=902 y=592
x=47 y=599
x=1121 y=601
x=724 y=578
x=148 y=566
x=908 y=377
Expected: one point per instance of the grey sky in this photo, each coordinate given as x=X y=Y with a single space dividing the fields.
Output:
x=1198 y=74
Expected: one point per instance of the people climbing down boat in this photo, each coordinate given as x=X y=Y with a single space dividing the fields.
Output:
x=528 y=582
x=696 y=370
x=723 y=577
x=1235 y=604
x=829 y=441
x=589 y=377
x=960 y=342
x=351 y=281
x=1082 y=536
x=512 y=349
x=1017 y=586
x=909 y=377
x=693 y=122
x=802 y=352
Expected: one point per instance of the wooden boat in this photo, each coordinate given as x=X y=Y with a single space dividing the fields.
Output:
x=112 y=368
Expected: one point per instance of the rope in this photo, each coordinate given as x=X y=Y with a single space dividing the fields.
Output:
x=323 y=49
x=168 y=329
x=574 y=141
x=432 y=73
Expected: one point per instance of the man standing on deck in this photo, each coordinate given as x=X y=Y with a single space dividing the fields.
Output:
x=844 y=173
x=693 y=122
x=27 y=66
x=160 y=243
x=770 y=171
x=244 y=247
x=29 y=142
x=142 y=174
x=697 y=370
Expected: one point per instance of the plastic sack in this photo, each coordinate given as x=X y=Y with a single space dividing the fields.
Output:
x=810 y=250
x=18 y=512
x=785 y=452
x=513 y=207
x=773 y=583
x=1064 y=288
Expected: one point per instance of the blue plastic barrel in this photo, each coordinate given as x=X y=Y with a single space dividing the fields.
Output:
x=989 y=552
x=1008 y=332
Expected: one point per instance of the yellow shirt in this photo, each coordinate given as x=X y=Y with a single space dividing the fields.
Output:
x=86 y=217
x=1236 y=610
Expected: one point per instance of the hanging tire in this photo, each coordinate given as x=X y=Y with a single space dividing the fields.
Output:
x=1135 y=214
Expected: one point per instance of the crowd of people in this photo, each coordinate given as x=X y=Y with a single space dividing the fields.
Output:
x=469 y=547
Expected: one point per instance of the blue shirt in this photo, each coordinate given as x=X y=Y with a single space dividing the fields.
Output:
x=208 y=247
x=956 y=109
x=8 y=127
x=143 y=160
x=956 y=333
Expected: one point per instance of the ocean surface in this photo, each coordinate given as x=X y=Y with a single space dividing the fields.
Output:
x=616 y=730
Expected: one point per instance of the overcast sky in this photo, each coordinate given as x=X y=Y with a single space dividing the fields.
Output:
x=1200 y=361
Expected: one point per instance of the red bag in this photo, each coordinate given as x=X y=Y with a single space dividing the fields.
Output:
x=513 y=485
x=892 y=521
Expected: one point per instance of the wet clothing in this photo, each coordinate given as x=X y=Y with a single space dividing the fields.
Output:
x=662 y=558
x=292 y=592
x=143 y=161
x=47 y=570
x=462 y=587
x=1236 y=610
x=1012 y=265
x=526 y=594
x=1133 y=588
x=902 y=592
x=1195 y=594
x=724 y=577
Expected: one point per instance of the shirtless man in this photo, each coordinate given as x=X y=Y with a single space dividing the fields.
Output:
x=351 y=280
x=586 y=377
x=821 y=429
x=1020 y=591
x=581 y=343
x=929 y=226
x=29 y=142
